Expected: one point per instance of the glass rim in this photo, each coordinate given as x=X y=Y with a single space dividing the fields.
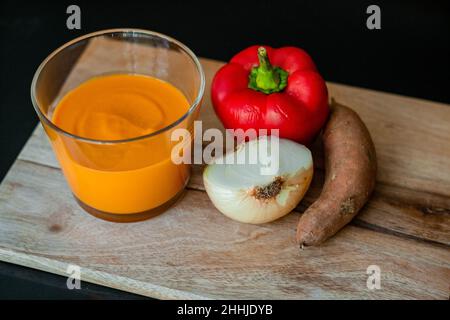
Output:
x=191 y=109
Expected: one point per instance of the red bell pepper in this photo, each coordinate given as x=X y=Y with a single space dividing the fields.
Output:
x=267 y=88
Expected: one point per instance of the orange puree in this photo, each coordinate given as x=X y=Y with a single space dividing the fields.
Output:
x=125 y=177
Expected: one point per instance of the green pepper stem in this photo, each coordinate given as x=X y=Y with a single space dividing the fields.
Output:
x=264 y=62
x=265 y=77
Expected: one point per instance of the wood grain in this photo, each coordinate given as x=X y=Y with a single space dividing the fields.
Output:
x=192 y=251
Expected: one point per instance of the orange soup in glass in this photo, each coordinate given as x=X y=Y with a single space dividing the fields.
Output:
x=110 y=117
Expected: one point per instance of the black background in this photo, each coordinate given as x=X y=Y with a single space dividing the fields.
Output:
x=409 y=56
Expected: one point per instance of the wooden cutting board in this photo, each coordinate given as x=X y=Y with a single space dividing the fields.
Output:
x=194 y=252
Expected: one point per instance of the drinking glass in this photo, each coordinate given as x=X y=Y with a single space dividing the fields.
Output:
x=119 y=180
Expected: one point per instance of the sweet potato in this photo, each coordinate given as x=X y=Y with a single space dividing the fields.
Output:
x=350 y=172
